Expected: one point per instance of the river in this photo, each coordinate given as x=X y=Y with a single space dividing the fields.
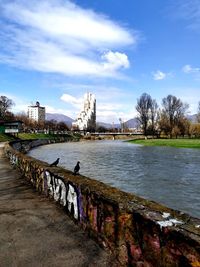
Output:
x=164 y=174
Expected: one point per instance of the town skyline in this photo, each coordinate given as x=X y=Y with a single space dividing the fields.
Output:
x=55 y=51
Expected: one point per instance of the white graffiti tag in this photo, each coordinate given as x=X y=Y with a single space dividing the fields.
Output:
x=57 y=188
x=49 y=183
x=59 y=191
x=72 y=200
x=13 y=159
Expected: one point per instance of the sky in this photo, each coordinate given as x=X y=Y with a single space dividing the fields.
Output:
x=54 y=51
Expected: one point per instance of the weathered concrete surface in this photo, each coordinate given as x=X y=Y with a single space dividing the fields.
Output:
x=36 y=232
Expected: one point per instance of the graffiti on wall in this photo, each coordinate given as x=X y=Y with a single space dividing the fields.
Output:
x=136 y=237
x=13 y=159
x=72 y=200
x=56 y=187
x=65 y=194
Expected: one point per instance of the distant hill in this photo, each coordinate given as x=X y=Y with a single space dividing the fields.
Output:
x=132 y=123
x=59 y=117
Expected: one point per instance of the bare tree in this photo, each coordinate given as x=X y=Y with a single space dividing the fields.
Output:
x=184 y=126
x=143 y=107
x=195 y=130
x=62 y=126
x=147 y=109
x=164 y=124
x=5 y=105
x=153 y=116
x=172 y=114
x=51 y=125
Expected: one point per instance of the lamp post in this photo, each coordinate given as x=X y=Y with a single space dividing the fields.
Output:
x=121 y=124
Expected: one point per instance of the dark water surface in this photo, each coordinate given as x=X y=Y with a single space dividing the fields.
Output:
x=170 y=176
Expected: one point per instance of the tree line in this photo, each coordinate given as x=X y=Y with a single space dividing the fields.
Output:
x=29 y=125
x=170 y=119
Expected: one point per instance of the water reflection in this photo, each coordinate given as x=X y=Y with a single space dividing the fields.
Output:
x=163 y=174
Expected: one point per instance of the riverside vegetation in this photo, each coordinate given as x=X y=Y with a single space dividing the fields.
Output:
x=179 y=143
x=27 y=136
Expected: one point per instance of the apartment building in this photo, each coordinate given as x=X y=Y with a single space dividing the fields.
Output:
x=36 y=112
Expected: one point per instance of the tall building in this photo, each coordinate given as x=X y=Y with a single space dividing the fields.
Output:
x=86 y=119
x=36 y=112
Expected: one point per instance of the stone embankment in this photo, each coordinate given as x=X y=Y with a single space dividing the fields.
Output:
x=35 y=232
x=137 y=232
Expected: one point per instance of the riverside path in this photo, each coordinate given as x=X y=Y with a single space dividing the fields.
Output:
x=36 y=232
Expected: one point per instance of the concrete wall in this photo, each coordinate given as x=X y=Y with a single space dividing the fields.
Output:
x=138 y=232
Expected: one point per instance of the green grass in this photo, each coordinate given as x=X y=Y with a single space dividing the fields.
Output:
x=180 y=143
x=26 y=136
x=5 y=138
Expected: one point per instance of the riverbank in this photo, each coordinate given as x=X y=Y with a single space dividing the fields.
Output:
x=179 y=143
x=28 y=136
x=132 y=227
x=36 y=232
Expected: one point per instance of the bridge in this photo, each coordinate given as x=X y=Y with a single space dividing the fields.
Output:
x=114 y=135
x=118 y=133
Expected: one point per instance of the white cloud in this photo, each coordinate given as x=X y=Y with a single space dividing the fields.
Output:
x=75 y=102
x=59 y=19
x=159 y=75
x=189 y=69
x=60 y=37
x=114 y=61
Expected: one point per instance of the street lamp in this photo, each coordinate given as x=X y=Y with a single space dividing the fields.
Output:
x=121 y=124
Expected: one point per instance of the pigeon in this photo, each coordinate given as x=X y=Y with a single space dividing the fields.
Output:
x=77 y=168
x=55 y=163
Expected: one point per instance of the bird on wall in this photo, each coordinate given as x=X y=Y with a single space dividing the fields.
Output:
x=55 y=163
x=77 y=168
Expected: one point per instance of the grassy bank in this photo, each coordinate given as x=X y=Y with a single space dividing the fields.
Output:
x=5 y=138
x=184 y=143
x=26 y=136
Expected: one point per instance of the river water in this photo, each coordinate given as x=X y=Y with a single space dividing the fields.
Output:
x=170 y=176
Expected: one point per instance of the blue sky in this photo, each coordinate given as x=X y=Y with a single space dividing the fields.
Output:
x=55 y=51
